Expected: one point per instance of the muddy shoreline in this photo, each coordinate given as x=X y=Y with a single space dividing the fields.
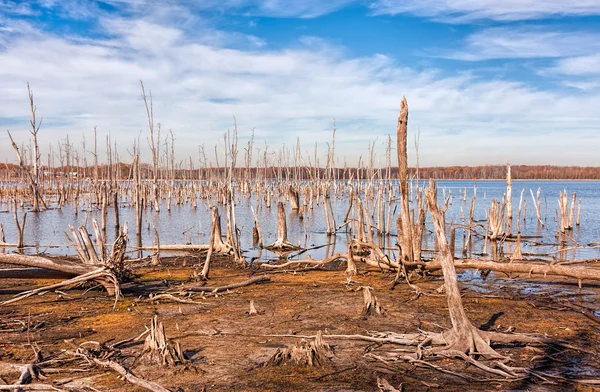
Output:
x=227 y=347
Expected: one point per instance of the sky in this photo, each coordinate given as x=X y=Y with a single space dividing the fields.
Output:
x=487 y=81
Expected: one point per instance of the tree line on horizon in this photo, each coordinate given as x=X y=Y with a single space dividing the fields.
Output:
x=9 y=171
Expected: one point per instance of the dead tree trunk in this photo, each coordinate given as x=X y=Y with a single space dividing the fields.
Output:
x=282 y=242
x=405 y=240
x=463 y=336
x=34 y=174
x=20 y=226
x=294 y=198
x=509 y=209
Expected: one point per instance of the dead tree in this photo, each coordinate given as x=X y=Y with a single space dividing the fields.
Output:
x=34 y=174
x=154 y=146
x=294 y=198
x=282 y=242
x=109 y=272
x=405 y=239
x=20 y=226
x=509 y=207
x=464 y=337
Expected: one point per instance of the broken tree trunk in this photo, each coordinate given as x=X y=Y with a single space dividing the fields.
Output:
x=213 y=234
x=315 y=353
x=282 y=242
x=20 y=225
x=158 y=349
x=406 y=239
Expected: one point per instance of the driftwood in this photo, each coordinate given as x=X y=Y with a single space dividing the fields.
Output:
x=217 y=289
x=308 y=261
x=123 y=371
x=93 y=267
x=385 y=386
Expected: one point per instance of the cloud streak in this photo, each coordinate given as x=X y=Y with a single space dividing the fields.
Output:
x=528 y=42
x=466 y=11
x=199 y=84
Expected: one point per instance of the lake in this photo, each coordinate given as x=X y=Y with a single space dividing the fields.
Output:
x=185 y=224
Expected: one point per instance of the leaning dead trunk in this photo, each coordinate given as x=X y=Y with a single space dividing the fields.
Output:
x=463 y=336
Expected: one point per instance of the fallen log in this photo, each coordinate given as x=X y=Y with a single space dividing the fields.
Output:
x=46 y=263
x=176 y=247
x=579 y=273
x=33 y=273
x=217 y=289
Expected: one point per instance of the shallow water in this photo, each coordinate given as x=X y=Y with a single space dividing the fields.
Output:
x=184 y=224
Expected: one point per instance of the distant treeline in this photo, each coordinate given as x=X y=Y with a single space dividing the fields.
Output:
x=519 y=172
x=496 y=172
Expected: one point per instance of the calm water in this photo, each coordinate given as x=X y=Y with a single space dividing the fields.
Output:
x=184 y=224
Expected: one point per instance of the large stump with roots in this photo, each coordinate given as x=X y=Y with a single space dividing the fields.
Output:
x=305 y=353
x=158 y=349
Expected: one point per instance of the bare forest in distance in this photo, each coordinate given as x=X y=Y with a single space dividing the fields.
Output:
x=10 y=171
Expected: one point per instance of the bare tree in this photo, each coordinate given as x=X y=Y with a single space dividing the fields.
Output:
x=34 y=173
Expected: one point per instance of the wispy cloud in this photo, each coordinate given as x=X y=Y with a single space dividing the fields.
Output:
x=461 y=11
x=579 y=66
x=525 y=42
x=198 y=86
x=84 y=9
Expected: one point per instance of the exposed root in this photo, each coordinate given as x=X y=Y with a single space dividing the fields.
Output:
x=117 y=367
x=102 y=274
x=385 y=386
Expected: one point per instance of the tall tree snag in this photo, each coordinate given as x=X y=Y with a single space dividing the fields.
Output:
x=405 y=240
x=34 y=174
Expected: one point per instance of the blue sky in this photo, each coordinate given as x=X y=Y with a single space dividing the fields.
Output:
x=486 y=81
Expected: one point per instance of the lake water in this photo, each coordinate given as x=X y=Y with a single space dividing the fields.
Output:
x=184 y=224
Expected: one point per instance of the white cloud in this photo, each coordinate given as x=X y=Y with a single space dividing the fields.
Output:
x=579 y=66
x=198 y=87
x=460 y=11
x=526 y=42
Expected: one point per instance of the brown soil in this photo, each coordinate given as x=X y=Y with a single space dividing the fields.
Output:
x=228 y=348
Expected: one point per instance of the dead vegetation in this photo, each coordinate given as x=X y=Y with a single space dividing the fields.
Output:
x=414 y=332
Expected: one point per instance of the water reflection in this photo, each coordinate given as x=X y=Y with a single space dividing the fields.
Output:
x=189 y=222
